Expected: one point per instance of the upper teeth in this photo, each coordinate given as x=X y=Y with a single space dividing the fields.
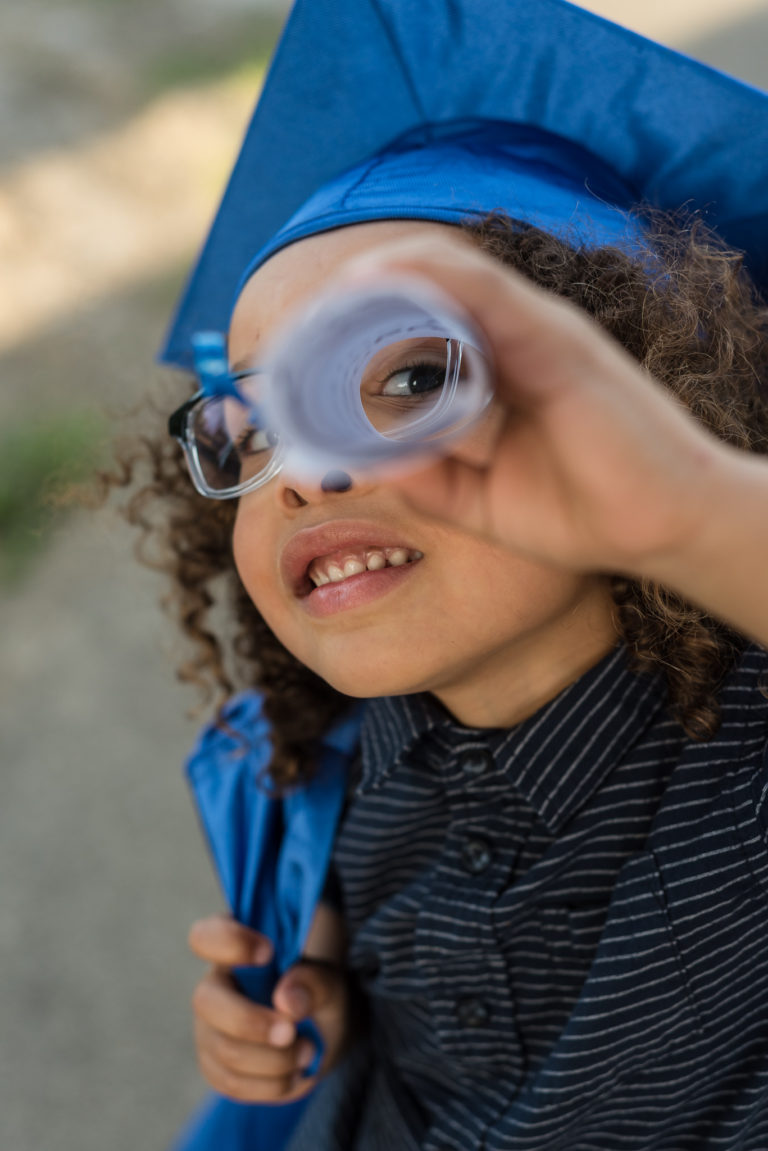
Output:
x=326 y=570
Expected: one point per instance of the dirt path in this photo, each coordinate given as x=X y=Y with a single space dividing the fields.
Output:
x=105 y=190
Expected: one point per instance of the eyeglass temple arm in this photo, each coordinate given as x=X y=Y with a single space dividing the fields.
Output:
x=177 y=421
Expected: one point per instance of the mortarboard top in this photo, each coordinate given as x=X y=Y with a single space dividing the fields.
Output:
x=606 y=109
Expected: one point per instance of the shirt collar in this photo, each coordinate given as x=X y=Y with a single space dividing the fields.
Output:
x=556 y=759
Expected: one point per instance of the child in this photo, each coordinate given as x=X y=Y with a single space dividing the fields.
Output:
x=543 y=923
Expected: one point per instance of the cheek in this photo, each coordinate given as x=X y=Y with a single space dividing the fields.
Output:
x=490 y=590
x=242 y=549
x=255 y=550
x=254 y=554
x=504 y=603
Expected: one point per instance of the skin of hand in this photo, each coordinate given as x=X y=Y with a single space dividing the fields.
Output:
x=594 y=465
x=249 y=1052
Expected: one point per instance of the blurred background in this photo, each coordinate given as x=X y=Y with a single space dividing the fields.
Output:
x=119 y=120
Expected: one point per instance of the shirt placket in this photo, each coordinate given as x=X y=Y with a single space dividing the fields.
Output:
x=456 y=945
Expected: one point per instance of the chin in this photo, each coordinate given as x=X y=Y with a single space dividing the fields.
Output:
x=368 y=679
x=359 y=687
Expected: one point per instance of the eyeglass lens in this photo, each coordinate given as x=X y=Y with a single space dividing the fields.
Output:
x=406 y=386
x=406 y=391
x=231 y=444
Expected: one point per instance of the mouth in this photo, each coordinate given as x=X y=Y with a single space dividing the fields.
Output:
x=338 y=552
x=340 y=566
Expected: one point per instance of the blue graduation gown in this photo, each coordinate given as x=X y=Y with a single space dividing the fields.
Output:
x=271 y=854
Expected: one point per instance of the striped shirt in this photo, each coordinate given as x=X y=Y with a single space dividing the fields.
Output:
x=561 y=928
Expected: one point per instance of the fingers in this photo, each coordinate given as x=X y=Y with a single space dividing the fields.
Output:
x=585 y=433
x=247 y=1051
x=221 y=940
x=257 y=1060
x=217 y=1002
x=534 y=335
x=307 y=989
x=250 y=1075
x=317 y=990
x=246 y=1088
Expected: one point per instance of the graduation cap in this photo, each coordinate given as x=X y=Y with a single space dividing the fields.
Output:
x=446 y=109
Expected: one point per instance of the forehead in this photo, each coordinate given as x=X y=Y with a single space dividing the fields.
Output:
x=297 y=273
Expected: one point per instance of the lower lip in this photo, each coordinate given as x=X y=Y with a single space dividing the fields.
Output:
x=355 y=591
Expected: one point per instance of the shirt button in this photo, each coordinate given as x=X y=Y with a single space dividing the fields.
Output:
x=476 y=762
x=472 y=1013
x=476 y=856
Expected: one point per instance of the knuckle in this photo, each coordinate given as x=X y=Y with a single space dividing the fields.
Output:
x=199 y=1003
x=218 y=1049
x=228 y=1053
x=200 y=933
x=243 y=1022
x=235 y=1088
x=193 y=936
x=201 y=998
x=251 y=1059
x=219 y=1005
x=211 y=1072
x=226 y=1082
x=272 y=1090
x=242 y=1088
x=202 y=1033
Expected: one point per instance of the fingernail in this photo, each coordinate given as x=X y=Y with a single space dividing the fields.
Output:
x=282 y=1033
x=299 y=1001
x=262 y=953
x=305 y=1053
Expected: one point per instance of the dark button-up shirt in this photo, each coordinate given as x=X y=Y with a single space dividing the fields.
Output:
x=561 y=928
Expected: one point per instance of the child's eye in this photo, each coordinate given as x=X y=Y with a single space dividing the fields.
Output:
x=251 y=441
x=414 y=380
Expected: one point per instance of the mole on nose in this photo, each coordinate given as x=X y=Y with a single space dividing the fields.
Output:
x=336 y=481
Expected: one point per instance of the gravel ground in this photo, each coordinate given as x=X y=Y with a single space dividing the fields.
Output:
x=107 y=174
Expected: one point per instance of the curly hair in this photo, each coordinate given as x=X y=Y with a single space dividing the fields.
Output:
x=689 y=314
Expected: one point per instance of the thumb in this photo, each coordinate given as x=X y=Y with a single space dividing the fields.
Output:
x=306 y=988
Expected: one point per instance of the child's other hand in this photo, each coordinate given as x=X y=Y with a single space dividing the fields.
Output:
x=589 y=463
x=249 y=1052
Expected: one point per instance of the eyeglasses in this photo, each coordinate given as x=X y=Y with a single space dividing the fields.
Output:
x=227 y=450
x=399 y=393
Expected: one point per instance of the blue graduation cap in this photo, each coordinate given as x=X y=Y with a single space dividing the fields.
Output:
x=381 y=109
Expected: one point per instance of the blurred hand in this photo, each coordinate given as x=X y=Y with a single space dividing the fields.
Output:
x=249 y=1052
x=584 y=461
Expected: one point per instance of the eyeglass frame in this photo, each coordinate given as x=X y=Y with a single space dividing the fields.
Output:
x=218 y=382
x=179 y=430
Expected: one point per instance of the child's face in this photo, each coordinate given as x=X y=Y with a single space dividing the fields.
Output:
x=491 y=634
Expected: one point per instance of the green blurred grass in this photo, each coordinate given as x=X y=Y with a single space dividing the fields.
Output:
x=242 y=48
x=41 y=460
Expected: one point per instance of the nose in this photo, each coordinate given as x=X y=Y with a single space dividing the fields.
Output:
x=296 y=493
